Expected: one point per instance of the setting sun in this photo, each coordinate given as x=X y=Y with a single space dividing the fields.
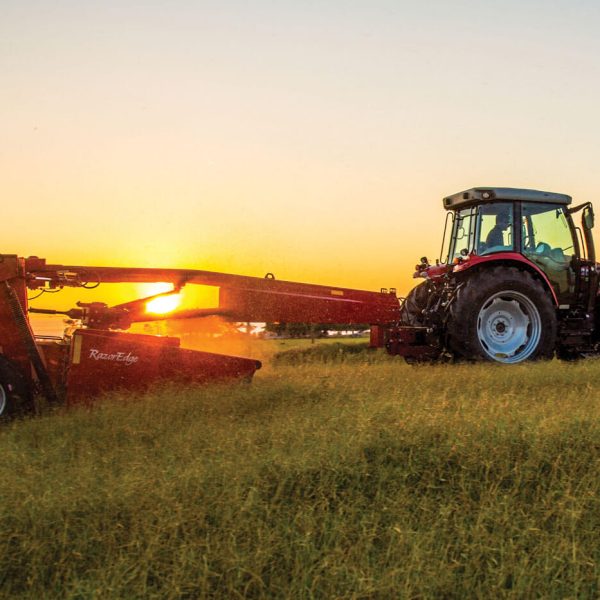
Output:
x=163 y=304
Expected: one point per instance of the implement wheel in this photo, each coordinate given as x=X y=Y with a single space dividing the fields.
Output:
x=15 y=396
x=503 y=315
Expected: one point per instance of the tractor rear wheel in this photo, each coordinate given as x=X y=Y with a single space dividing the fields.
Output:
x=503 y=315
x=15 y=396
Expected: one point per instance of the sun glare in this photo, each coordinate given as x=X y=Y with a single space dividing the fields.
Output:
x=163 y=304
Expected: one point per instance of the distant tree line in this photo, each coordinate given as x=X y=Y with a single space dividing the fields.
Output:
x=311 y=330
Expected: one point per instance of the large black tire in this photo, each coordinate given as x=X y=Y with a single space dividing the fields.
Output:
x=415 y=303
x=15 y=396
x=502 y=314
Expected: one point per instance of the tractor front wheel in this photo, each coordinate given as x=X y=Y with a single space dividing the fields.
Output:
x=414 y=305
x=503 y=315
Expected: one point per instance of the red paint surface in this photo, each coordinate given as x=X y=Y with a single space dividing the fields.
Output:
x=102 y=361
x=437 y=271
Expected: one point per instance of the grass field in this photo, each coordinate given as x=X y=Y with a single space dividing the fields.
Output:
x=348 y=475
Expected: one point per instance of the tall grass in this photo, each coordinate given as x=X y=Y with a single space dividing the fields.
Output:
x=322 y=480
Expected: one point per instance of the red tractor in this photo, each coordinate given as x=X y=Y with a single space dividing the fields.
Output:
x=517 y=281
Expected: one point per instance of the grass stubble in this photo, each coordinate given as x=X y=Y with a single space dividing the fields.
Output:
x=357 y=477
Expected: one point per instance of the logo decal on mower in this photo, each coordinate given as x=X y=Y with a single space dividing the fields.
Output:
x=121 y=357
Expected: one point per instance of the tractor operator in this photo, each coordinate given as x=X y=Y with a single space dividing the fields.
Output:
x=496 y=235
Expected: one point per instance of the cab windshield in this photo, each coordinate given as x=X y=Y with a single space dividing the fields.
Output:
x=482 y=229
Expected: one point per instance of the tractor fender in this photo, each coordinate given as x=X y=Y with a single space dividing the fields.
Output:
x=509 y=259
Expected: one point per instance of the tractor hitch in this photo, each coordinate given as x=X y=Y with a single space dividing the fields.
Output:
x=412 y=343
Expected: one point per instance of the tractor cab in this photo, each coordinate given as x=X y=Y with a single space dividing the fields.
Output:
x=537 y=226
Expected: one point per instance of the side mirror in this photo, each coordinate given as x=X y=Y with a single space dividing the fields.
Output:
x=588 y=218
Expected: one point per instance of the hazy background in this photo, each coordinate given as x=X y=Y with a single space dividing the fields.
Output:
x=314 y=140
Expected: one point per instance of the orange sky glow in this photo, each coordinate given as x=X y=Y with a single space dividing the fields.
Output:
x=308 y=140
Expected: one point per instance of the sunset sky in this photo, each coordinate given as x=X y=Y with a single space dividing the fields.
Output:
x=311 y=139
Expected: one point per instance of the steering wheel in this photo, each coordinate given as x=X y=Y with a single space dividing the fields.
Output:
x=543 y=248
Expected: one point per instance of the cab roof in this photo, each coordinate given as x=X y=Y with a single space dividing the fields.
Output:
x=481 y=195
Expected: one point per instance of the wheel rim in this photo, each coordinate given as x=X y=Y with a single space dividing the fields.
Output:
x=3 y=400
x=509 y=327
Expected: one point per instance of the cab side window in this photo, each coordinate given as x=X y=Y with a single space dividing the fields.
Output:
x=547 y=240
x=546 y=233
